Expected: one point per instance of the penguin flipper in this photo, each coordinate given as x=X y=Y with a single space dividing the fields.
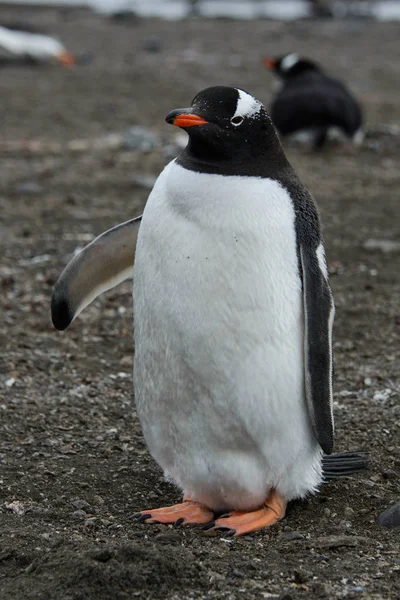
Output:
x=319 y=311
x=100 y=266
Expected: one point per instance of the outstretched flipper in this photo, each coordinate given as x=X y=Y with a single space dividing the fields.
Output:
x=319 y=312
x=103 y=264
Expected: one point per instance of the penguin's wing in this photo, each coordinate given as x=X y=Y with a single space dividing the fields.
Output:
x=319 y=312
x=103 y=264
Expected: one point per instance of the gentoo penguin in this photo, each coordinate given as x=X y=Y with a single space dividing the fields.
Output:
x=233 y=319
x=34 y=46
x=310 y=101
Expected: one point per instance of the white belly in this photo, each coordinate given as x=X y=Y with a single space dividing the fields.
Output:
x=219 y=340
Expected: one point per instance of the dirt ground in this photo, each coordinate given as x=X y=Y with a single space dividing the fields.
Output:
x=74 y=467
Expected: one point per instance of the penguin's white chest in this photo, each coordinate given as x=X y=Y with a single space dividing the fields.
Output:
x=218 y=314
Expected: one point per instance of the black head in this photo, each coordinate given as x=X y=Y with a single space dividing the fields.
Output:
x=228 y=129
x=289 y=65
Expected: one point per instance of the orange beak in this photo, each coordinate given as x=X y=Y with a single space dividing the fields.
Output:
x=66 y=59
x=270 y=63
x=188 y=120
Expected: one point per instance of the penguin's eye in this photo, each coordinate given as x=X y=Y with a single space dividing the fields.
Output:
x=237 y=121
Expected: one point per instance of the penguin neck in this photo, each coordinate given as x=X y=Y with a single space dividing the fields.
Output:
x=265 y=161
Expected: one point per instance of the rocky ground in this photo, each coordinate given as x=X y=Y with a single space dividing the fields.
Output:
x=74 y=467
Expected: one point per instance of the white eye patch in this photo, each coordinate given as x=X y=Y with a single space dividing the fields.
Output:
x=289 y=61
x=247 y=106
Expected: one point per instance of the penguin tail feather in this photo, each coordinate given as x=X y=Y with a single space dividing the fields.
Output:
x=343 y=464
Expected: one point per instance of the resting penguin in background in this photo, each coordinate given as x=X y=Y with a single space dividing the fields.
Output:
x=233 y=319
x=313 y=103
x=34 y=46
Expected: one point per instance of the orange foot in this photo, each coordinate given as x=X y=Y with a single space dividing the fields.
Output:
x=188 y=511
x=241 y=522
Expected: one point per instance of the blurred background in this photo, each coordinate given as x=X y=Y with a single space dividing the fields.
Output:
x=82 y=140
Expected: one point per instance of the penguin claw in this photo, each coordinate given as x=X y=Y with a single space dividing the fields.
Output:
x=230 y=533
x=242 y=522
x=208 y=526
x=188 y=512
x=143 y=517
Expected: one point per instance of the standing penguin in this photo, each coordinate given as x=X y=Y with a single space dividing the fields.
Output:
x=233 y=319
x=310 y=101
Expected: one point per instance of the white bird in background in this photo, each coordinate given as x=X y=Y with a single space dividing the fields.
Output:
x=34 y=46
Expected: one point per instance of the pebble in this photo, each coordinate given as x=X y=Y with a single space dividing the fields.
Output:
x=81 y=505
x=289 y=536
x=389 y=474
x=103 y=555
x=300 y=576
x=348 y=511
x=385 y=246
x=91 y=522
x=390 y=517
x=28 y=188
x=140 y=138
x=78 y=515
x=237 y=573
x=152 y=43
x=285 y=596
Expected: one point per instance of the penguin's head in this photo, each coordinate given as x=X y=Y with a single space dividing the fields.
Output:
x=290 y=64
x=225 y=123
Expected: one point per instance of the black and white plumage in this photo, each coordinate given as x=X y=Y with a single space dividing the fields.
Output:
x=33 y=46
x=311 y=102
x=233 y=319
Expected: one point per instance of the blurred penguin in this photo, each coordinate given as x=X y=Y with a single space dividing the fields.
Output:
x=32 y=46
x=309 y=102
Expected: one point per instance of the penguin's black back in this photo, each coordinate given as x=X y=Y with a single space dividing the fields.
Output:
x=311 y=99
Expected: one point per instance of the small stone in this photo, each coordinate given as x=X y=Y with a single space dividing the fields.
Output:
x=301 y=576
x=323 y=589
x=214 y=577
x=237 y=573
x=78 y=515
x=389 y=474
x=103 y=555
x=28 y=188
x=140 y=138
x=152 y=43
x=390 y=517
x=289 y=536
x=99 y=500
x=348 y=511
x=285 y=596
x=30 y=568
x=126 y=361
x=91 y=522
x=81 y=505
x=385 y=246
